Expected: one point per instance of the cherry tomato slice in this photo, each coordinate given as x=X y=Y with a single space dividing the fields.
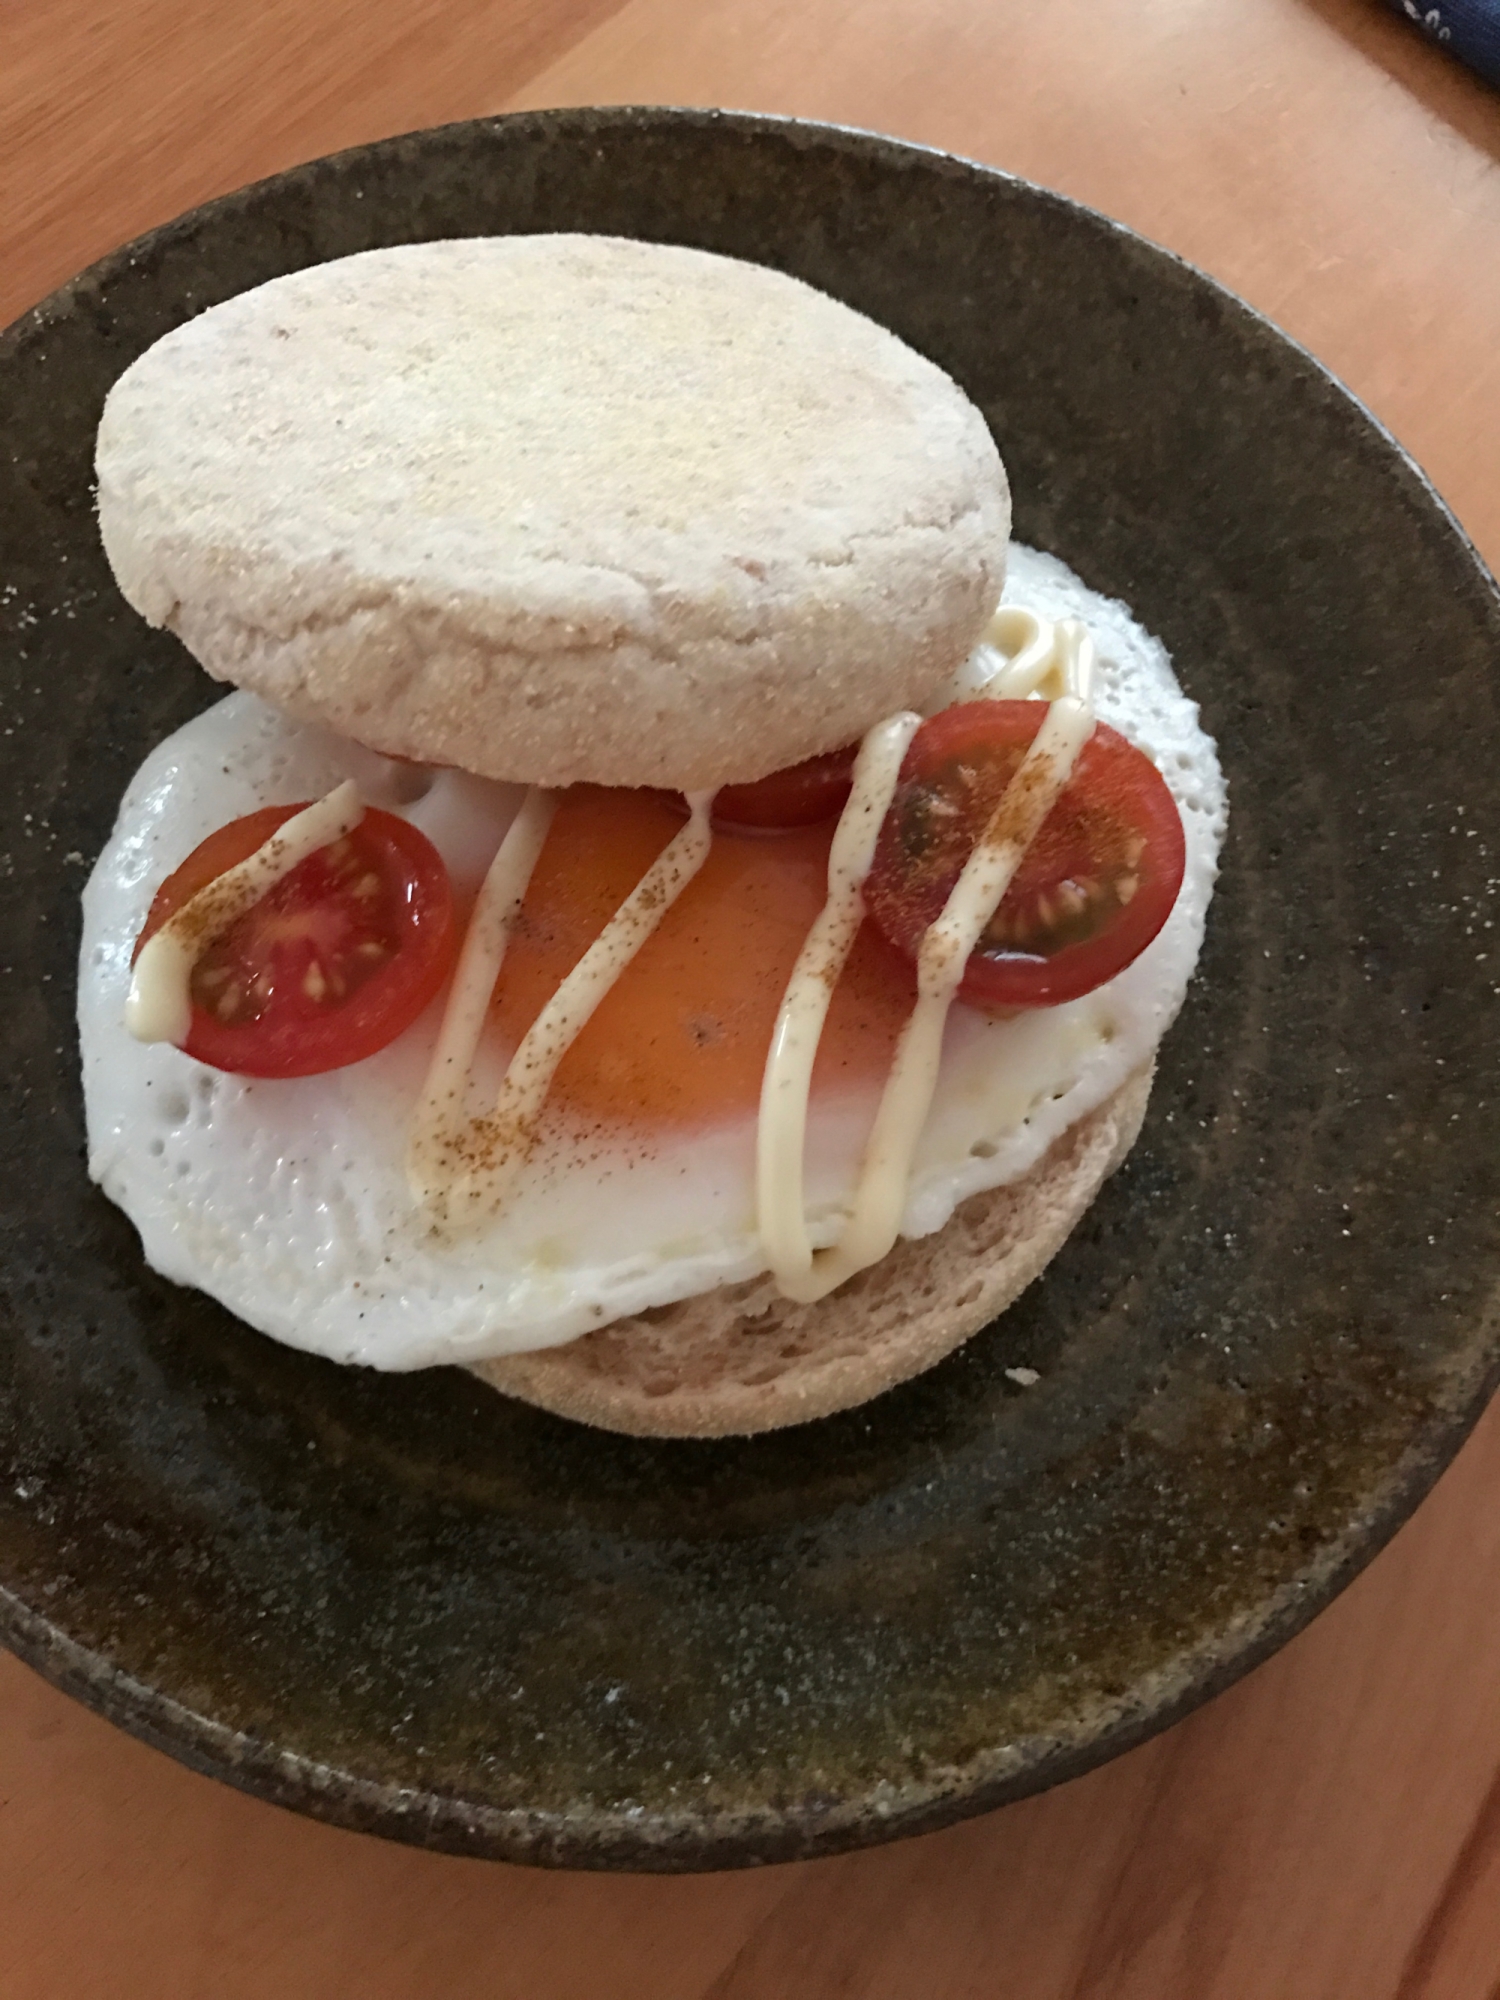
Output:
x=332 y=963
x=802 y=795
x=1096 y=884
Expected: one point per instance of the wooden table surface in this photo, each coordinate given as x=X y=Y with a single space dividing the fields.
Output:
x=1328 y=1830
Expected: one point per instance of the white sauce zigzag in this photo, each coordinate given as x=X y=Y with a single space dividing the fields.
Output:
x=289 y=1200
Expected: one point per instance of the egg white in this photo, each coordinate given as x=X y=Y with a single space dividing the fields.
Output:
x=288 y=1201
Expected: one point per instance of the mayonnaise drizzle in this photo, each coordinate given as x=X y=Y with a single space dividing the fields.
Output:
x=787 y=1084
x=159 y=1006
x=1037 y=651
x=465 y=1169
x=440 y=1115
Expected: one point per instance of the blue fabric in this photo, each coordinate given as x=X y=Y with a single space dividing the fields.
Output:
x=1470 y=29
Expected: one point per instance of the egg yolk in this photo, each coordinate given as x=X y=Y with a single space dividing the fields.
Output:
x=682 y=1036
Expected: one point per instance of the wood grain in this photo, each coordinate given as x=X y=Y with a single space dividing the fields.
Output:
x=1329 y=1830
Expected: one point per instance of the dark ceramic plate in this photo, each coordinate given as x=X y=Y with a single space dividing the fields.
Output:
x=405 y=1605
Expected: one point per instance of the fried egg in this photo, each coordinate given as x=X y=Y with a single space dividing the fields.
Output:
x=288 y=1201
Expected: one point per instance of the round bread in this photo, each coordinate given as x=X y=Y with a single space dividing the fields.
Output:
x=557 y=508
x=745 y=1359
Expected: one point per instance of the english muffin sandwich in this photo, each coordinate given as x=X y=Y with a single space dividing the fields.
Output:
x=652 y=926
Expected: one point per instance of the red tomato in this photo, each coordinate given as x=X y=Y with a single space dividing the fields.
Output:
x=1094 y=888
x=801 y=795
x=332 y=963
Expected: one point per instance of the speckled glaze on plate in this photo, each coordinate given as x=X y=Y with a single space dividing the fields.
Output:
x=405 y=1605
